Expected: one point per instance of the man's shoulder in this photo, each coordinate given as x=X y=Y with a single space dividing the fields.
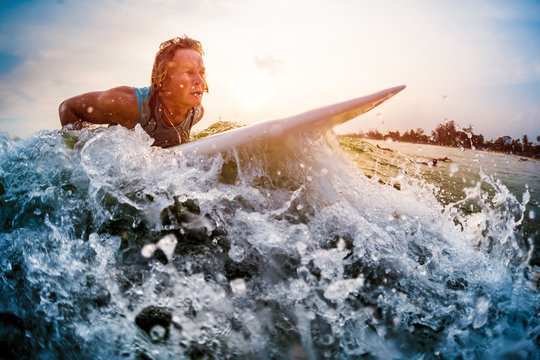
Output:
x=120 y=103
x=119 y=92
x=119 y=97
x=128 y=91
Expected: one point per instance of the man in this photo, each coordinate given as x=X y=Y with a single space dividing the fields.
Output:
x=166 y=110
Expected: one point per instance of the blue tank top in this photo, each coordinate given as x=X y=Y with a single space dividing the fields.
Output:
x=151 y=121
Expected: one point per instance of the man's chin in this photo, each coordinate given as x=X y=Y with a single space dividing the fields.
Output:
x=196 y=103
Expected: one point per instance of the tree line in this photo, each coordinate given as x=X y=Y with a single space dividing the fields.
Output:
x=450 y=134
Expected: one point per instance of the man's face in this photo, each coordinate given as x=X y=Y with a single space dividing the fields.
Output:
x=185 y=78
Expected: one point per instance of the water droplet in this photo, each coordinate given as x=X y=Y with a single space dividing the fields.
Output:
x=454 y=168
x=148 y=250
x=238 y=287
x=236 y=253
x=167 y=244
x=324 y=171
x=482 y=307
x=379 y=116
x=341 y=288
x=341 y=244
x=299 y=207
x=278 y=173
x=90 y=109
x=37 y=212
x=532 y=214
x=157 y=333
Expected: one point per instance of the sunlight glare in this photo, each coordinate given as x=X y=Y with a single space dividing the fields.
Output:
x=252 y=92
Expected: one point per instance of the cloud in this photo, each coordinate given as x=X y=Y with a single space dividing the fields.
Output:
x=54 y=51
x=268 y=63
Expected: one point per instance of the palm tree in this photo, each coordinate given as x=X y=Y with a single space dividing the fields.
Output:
x=526 y=145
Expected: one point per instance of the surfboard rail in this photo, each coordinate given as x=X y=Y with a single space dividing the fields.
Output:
x=321 y=118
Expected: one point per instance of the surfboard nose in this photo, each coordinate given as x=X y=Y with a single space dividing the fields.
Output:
x=318 y=119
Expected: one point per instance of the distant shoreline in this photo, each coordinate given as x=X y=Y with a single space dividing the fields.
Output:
x=449 y=147
x=452 y=135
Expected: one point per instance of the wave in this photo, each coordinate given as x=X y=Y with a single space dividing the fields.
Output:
x=111 y=248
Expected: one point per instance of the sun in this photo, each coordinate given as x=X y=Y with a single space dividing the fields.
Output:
x=252 y=92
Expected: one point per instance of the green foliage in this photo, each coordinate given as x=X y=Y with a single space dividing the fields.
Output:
x=216 y=128
x=70 y=139
x=450 y=134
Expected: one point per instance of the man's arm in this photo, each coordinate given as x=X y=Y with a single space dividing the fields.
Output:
x=114 y=106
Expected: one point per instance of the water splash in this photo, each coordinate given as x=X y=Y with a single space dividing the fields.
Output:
x=274 y=251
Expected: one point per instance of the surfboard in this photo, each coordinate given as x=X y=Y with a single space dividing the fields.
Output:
x=321 y=119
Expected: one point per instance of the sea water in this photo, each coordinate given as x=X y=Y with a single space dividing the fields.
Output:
x=111 y=248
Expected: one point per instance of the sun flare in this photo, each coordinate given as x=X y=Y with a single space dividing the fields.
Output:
x=252 y=93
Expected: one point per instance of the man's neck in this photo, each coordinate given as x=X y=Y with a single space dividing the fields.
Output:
x=176 y=113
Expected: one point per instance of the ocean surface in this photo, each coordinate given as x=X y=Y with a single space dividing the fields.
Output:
x=458 y=169
x=294 y=249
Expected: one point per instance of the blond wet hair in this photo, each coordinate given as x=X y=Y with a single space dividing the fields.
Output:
x=165 y=54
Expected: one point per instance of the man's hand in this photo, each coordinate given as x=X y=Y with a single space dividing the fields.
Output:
x=77 y=125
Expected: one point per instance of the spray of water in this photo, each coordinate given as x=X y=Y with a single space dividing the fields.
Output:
x=279 y=250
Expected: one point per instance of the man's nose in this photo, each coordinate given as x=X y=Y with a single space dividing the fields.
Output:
x=198 y=79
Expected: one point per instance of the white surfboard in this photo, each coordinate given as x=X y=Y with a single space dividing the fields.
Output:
x=323 y=118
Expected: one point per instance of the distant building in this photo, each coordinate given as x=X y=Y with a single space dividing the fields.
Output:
x=505 y=140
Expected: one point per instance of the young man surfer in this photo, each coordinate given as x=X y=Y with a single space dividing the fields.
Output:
x=166 y=110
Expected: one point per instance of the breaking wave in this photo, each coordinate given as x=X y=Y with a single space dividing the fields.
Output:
x=111 y=248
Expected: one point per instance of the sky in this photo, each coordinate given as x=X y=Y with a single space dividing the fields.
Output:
x=474 y=62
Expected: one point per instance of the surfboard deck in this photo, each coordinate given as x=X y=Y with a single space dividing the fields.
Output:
x=322 y=118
